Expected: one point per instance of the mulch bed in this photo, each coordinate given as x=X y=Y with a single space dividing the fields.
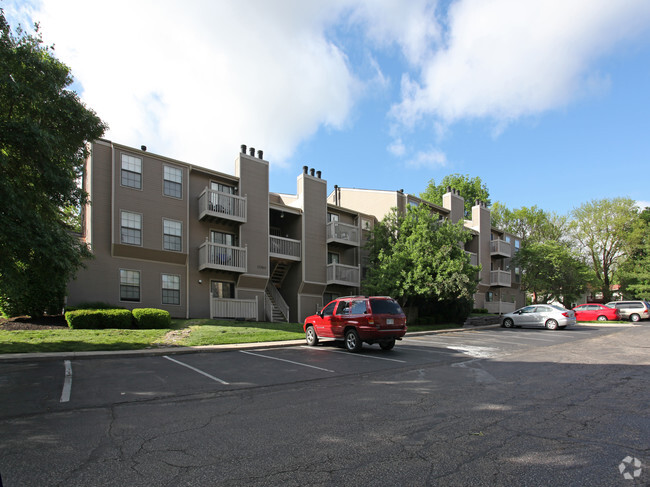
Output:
x=29 y=323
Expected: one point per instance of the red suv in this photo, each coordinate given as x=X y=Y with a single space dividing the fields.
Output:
x=358 y=319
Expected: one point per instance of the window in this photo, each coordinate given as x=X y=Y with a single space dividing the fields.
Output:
x=489 y=297
x=223 y=238
x=129 y=285
x=222 y=188
x=172 y=235
x=516 y=244
x=131 y=171
x=171 y=289
x=508 y=238
x=332 y=217
x=224 y=290
x=172 y=182
x=332 y=258
x=131 y=225
x=329 y=309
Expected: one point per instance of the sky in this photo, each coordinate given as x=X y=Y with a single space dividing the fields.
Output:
x=546 y=101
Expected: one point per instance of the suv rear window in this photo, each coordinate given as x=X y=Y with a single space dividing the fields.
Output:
x=385 y=307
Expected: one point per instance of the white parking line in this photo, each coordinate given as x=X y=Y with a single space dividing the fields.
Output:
x=283 y=360
x=67 y=382
x=353 y=354
x=197 y=370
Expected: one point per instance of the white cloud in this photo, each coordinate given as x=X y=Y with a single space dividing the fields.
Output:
x=504 y=59
x=642 y=204
x=432 y=159
x=195 y=80
x=397 y=148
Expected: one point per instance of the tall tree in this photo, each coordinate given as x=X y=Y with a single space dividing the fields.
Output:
x=531 y=224
x=635 y=271
x=415 y=256
x=471 y=189
x=552 y=271
x=43 y=132
x=602 y=229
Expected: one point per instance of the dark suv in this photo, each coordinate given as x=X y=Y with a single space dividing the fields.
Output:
x=358 y=319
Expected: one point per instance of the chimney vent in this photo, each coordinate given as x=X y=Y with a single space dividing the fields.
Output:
x=260 y=154
x=251 y=151
x=318 y=173
x=304 y=169
x=143 y=148
x=243 y=148
x=311 y=171
x=448 y=189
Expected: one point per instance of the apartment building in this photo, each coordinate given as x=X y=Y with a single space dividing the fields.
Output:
x=200 y=243
x=499 y=289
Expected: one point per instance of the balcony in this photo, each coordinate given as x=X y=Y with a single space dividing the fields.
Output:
x=473 y=258
x=343 y=233
x=222 y=257
x=346 y=275
x=215 y=205
x=285 y=248
x=500 y=278
x=501 y=248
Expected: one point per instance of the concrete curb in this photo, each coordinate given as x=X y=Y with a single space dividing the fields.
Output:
x=37 y=357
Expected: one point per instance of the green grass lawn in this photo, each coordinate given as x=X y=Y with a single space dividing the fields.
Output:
x=182 y=333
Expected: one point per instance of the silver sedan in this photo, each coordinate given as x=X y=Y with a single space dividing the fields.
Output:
x=549 y=316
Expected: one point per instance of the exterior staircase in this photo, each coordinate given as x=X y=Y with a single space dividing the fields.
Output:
x=279 y=272
x=276 y=309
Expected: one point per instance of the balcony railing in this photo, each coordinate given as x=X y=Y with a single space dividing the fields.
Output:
x=347 y=275
x=218 y=205
x=284 y=248
x=500 y=247
x=233 y=308
x=343 y=233
x=499 y=307
x=222 y=257
x=473 y=258
x=500 y=278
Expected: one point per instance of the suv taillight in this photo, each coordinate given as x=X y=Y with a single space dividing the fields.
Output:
x=371 y=321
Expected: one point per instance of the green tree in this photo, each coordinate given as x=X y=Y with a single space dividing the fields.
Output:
x=415 y=257
x=635 y=271
x=552 y=270
x=43 y=132
x=531 y=224
x=471 y=189
x=602 y=230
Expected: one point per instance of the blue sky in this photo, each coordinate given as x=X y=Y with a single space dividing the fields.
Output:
x=547 y=101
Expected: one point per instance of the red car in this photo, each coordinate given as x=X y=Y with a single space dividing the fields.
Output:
x=358 y=319
x=596 y=312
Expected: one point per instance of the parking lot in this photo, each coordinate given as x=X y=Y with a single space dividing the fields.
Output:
x=35 y=386
x=480 y=407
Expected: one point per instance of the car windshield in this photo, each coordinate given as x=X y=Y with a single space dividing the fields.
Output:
x=385 y=307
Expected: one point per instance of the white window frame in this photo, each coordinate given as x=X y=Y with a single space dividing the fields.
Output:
x=124 y=213
x=126 y=279
x=171 y=283
x=130 y=165
x=167 y=226
x=172 y=179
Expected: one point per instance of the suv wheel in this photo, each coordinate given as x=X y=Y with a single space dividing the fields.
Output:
x=312 y=338
x=635 y=317
x=387 y=345
x=352 y=340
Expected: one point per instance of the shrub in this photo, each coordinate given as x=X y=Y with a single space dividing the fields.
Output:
x=480 y=311
x=98 y=319
x=151 y=318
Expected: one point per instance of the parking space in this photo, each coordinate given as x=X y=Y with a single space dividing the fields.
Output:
x=32 y=387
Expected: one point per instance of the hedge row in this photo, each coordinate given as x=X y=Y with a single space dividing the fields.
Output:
x=118 y=318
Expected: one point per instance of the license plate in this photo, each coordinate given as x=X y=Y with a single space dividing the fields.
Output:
x=390 y=321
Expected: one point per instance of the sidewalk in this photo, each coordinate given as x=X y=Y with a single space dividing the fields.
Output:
x=32 y=357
